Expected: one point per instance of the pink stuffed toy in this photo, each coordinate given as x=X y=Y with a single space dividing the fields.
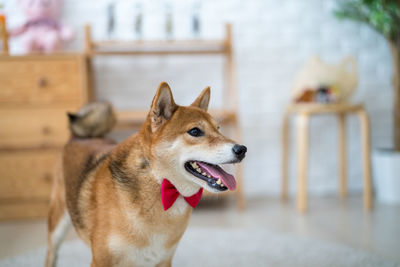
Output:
x=42 y=32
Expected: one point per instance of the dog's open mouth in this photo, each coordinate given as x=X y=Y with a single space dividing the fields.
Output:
x=214 y=175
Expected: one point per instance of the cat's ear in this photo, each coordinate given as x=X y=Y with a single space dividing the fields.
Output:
x=72 y=116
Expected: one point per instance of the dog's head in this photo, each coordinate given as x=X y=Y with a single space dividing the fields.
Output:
x=187 y=147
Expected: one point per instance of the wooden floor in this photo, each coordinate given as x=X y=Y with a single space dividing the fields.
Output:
x=328 y=219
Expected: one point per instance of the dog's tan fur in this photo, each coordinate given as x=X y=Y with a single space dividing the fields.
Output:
x=112 y=192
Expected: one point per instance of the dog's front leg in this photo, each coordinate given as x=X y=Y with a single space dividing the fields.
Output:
x=100 y=263
x=101 y=256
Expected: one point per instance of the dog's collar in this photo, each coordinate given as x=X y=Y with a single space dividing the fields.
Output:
x=169 y=194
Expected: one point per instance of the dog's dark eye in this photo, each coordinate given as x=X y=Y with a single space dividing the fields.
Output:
x=196 y=132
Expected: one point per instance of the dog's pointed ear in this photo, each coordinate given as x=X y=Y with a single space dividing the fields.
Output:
x=72 y=117
x=162 y=107
x=203 y=99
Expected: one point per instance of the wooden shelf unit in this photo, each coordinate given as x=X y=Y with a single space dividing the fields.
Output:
x=227 y=116
x=36 y=91
x=182 y=47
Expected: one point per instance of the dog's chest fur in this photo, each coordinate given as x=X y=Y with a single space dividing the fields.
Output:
x=159 y=238
x=126 y=254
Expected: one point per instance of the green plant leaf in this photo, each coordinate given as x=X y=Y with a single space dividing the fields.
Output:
x=382 y=15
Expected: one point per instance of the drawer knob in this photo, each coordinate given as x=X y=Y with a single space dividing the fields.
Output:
x=42 y=82
x=47 y=177
x=46 y=130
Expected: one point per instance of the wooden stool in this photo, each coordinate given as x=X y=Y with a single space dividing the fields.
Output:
x=303 y=112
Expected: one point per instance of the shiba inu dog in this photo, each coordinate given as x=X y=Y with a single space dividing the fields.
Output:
x=131 y=202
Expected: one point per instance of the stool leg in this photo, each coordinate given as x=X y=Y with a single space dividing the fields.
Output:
x=302 y=159
x=342 y=156
x=366 y=158
x=285 y=153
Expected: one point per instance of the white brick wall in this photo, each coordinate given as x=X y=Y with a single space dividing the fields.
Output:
x=272 y=40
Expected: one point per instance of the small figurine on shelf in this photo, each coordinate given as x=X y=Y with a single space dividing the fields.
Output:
x=168 y=19
x=43 y=31
x=3 y=32
x=138 y=20
x=110 y=20
x=196 y=18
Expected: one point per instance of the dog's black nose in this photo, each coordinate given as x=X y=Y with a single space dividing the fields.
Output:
x=239 y=151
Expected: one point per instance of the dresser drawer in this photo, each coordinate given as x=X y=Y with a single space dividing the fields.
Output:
x=11 y=210
x=26 y=174
x=41 y=80
x=33 y=128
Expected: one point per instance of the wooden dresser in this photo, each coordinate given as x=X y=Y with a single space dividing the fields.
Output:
x=36 y=91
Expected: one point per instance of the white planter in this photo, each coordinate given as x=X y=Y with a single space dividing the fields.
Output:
x=386 y=174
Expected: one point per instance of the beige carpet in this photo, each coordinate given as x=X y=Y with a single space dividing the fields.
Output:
x=229 y=247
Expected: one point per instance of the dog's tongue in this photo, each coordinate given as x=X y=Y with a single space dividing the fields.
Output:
x=217 y=172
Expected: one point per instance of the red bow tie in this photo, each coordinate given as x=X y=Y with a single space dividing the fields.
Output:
x=169 y=194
